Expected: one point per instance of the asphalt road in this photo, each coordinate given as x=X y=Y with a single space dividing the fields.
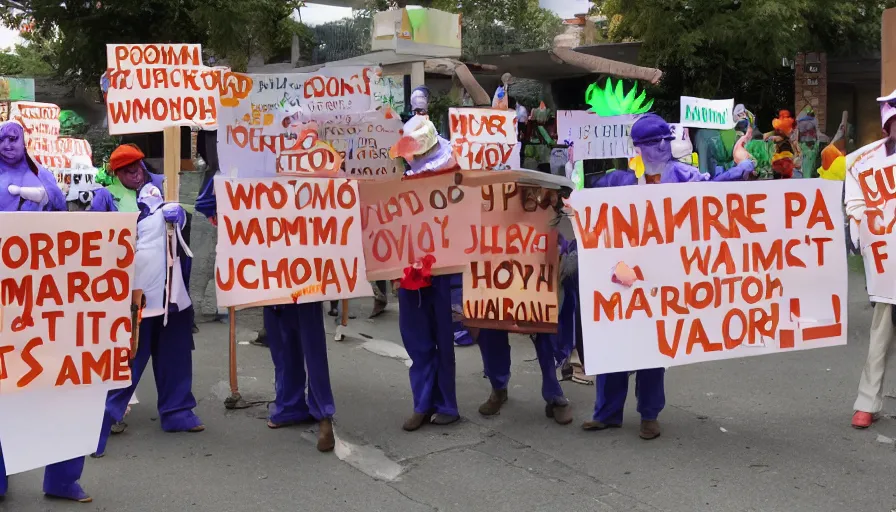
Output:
x=759 y=434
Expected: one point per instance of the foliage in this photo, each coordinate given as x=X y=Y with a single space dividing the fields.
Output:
x=611 y=101
x=503 y=26
x=36 y=58
x=235 y=30
x=229 y=29
x=734 y=48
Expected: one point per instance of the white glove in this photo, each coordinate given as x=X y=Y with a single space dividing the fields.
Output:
x=35 y=194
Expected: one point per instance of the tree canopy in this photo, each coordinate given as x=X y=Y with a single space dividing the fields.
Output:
x=735 y=48
x=230 y=29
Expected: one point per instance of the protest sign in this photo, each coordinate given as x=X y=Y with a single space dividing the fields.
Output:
x=404 y=220
x=364 y=141
x=679 y=274
x=41 y=123
x=288 y=240
x=510 y=282
x=596 y=137
x=484 y=138
x=156 y=86
x=66 y=295
x=262 y=130
x=65 y=330
x=702 y=113
x=876 y=176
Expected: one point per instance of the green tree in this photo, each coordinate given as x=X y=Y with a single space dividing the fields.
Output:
x=229 y=29
x=501 y=26
x=735 y=48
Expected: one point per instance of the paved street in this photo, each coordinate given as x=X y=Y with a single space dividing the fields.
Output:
x=759 y=434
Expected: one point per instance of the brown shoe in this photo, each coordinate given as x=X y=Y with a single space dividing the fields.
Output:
x=415 y=421
x=493 y=405
x=650 y=429
x=326 y=441
x=562 y=414
x=597 y=425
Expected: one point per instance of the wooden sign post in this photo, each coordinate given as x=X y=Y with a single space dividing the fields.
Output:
x=888 y=52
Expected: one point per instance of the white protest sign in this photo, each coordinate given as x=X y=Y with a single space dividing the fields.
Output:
x=364 y=141
x=484 y=138
x=596 y=137
x=155 y=86
x=288 y=240
x=703 y=113
x=714 y=271
x=41 y=123
x=263 y=117
x=65 y=326
x=875 y=173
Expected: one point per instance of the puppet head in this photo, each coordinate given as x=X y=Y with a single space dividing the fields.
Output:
x=422 y=147
x=653 y=137
x=126 y=164
x=807 y=125
x=784 y=123
x=782 y=164
x=887 y=112
x=12 y=144
x=420 y=100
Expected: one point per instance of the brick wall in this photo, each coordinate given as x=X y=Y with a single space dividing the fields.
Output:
x=811 y=82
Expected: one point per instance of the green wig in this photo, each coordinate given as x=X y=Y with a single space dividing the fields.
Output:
x=614 y=101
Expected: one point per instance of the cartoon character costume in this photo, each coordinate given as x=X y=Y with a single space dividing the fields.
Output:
x=26 y=186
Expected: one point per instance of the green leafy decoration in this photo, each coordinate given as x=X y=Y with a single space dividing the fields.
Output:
x=614 y=101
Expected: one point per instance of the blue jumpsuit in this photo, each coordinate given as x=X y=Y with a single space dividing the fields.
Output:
x=425 y=322
x=495 y=349
x=61 y=478
x=171 y=348
x=612 y=388
x=298 y=342
x=462 y=337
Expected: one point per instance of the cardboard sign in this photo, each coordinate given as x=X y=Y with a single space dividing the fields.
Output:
x=41 y=122
x=702 y=113
x=70 y=153
x=261 y=129
x=679 y=274
x=596 y=137
x=404 y=220
x=484 y=138
x=66 y=296
x=875 y=179
x=510 y=282
x=288 y=241
x=364 y=140
x=155 y=86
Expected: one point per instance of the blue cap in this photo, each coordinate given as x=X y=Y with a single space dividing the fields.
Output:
x=650 y=128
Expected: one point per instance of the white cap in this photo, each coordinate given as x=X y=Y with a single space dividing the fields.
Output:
x=887 y=110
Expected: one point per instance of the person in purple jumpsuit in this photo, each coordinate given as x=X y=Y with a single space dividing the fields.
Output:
x=170 y=345
x=495 y=348
x=298 y=343
x=25 y=186
x=651 y=135
x=425 y=315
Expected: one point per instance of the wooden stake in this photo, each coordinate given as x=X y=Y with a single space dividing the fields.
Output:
x=172 y=163
x=888 y=52
x=234 y=384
